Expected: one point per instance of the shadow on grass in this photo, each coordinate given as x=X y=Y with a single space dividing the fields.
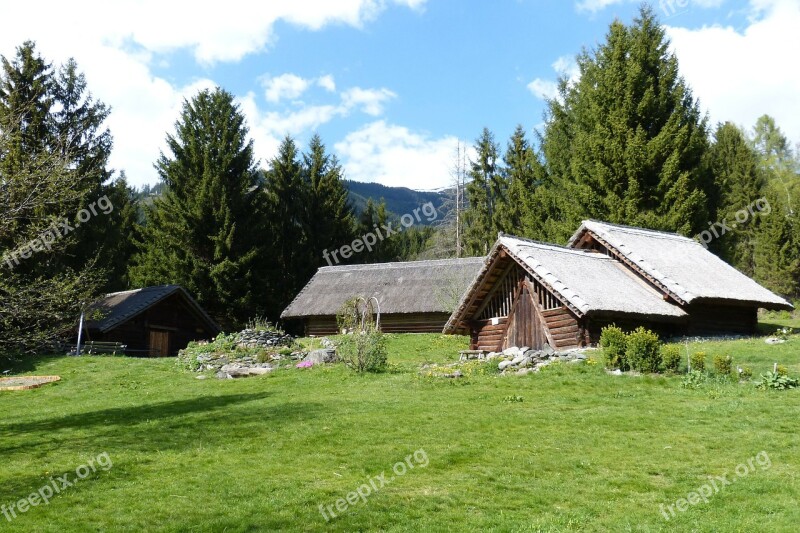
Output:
x=22 y=364
x=133 y=415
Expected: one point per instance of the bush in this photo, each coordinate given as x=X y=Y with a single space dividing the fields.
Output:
x=698 y=361
x=746 y=373
x=671 y=358
x=643 y=351
x=363 y=351
x=723 y=365
x=774 y=380
x=614 y=342
x=364 y=348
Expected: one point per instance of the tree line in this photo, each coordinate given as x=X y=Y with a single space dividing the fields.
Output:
x=625 y=143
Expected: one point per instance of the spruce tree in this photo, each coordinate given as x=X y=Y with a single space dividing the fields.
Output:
x=741 y=183
x=523 y=173
x=485 y=192
x=286 y=195
x=329 y=218
x=626 y=142
x=207 y=230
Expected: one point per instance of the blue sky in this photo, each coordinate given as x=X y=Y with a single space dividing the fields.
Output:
x=393 y=85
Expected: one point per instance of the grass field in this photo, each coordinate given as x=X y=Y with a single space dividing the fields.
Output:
x=568 y=449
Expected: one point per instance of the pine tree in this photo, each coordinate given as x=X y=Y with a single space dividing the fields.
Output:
x=286 y=196
x=523 y=173
x=741 y=182
x=206 y=231
x=329 y=217
x=626 y=142
x=776 y=258
x=485 y=191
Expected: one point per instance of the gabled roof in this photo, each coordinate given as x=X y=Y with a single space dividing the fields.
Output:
x=410 y=287
x=119 y=307
x=680 y=266
x=588 y=282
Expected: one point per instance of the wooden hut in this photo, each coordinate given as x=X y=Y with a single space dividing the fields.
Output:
x=414 y=297
x=717 y=297
x=153 y=321
x=530 y=293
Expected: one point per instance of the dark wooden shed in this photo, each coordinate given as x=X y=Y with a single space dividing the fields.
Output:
x=153 y=321
x=414 y=296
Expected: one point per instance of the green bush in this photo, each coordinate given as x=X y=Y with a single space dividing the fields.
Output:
x=364 y=348
x=774 y=380
x=363 y=351
x=746 y=373
x=723 y=365
x=643 y=351
x=614 y=342
x=671 y=358
x=698 y=361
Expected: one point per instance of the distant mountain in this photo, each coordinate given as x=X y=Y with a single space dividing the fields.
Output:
x=399 y=200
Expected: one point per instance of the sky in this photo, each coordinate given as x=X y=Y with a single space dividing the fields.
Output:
x=391 y=86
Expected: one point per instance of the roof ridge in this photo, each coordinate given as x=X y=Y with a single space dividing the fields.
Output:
x=403 y=264
x=638 y=229
x=559 y=248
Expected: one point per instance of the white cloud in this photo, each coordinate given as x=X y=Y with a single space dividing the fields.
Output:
x=565 y=67
x=284 y=86
x=117 y=50
x=370 y=101
x=543 y=89
x=740 y=75
x=327 y=83
x=396 y=156
x=665 y=8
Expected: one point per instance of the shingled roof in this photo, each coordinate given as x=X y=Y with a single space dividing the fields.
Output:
x=119 y=307
x=410 y=287
x=680 y=266
x=588 y=282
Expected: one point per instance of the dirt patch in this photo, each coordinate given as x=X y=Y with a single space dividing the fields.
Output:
x=26 y=382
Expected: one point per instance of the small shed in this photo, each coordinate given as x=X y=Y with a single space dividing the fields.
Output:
x=414 y=296
x=152 y=321
x=531 y=293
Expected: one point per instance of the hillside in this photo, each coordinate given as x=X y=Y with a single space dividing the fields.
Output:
x=399 y=200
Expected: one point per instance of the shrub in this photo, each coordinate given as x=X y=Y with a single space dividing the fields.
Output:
x=364 y=349
x=723 y=364
x=774 y=380
x=698 y=361
x=746 y=373
x=671 y=358
x=694 y=380
x=781 y=370
x=643 y=351
x=614 y=341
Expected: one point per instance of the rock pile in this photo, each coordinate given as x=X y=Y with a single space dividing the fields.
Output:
x=252 y=338
x=524 y=360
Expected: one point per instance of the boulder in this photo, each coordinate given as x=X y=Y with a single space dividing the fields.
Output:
x=319 y=357
x=518 y=359
x=512 y=352
x=504 y=364
x=774 y=340
x=547 y=350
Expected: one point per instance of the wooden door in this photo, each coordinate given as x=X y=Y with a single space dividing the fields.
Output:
x=159 y=343
x=525 y=328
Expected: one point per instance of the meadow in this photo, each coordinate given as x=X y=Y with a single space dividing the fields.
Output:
x=570 y=448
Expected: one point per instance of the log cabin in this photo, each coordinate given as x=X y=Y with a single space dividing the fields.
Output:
x=152 y=321
x=414 y=296
x=717 y=298
x=531 y=294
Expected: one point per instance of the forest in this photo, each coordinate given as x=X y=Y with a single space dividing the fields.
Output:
x=626 y=143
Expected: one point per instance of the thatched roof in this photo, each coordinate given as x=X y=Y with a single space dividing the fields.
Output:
x=588 y=282
x=119 y=307
x=682 y=267
x=411 y=287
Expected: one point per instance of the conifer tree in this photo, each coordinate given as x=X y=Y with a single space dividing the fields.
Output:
x=485 y=191
x=626 y=142
x=523 y=173
x=207 y=230
x=741 y=183
x=329 y=218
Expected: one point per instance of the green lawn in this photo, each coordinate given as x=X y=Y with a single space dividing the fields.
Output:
x=582 y=451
